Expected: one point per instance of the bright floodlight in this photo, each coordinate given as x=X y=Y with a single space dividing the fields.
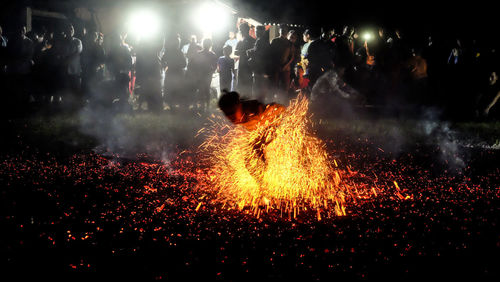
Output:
x=143 y=24
x=211 y=17
x=367 y=36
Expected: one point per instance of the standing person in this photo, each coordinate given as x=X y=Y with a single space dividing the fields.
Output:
x=93 y=57
x=3 y=40
x=19 y=55
x=489 y=96
x=332 y=35
x=318 y=58
x=119 y=63
x=344 y=49
x=203 y=64
x=306 y=37
x=3 y=58
x=295 y=57
x=149 y=74
x=245 y=76
x=281 y=50
x=55 y=69
x=73 y=48
x=175 y=63
x=191 y=48
x=232 y=41
x=3 y=47
x=225 y=67
x=416 y=65
x=260 y=57
x=38 y=72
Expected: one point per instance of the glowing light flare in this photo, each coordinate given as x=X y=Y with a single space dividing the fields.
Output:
x=210 y=17
x=367 y=36
x=144 y=24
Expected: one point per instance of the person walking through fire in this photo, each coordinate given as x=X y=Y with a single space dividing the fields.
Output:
x=253 y=115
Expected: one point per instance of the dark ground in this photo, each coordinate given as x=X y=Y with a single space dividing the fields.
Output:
x=70 y=211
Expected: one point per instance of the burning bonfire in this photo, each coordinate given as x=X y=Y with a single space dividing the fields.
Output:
x=274 y=164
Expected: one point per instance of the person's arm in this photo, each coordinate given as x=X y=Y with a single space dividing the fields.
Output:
x=492 y=103
x=291 y=57
x=213 y=64
x=239 y=49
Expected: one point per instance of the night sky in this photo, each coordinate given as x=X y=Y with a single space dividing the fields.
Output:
x=444 y=16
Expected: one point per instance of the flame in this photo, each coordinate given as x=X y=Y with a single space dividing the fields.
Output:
x=278 y=165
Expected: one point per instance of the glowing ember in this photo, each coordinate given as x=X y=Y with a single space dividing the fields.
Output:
x=277 y=165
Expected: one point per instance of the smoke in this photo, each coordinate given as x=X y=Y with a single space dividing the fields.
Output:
x=445 y=138
x=330 y=89
x=125 y=133
x=403 y=130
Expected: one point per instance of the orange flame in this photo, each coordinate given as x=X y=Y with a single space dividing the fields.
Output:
x=277 y=165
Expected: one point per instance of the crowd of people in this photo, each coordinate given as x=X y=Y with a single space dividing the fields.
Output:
x=387 y=68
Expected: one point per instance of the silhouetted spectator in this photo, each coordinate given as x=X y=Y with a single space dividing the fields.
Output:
x=417 y=66
x=282 y=57
x=344 y=49
x=203 y=65
x=55 y=68
x=149 y=74
x=19 y=55
x=245 y=76
x=318 y=58
x=299 y=82
x=457 y=54
x=72 y=48
x=175 y=62
x=306 y=37
x=400 y=49
x=295 y=51
x=3 y=57
x=225 y=67
x=191 y=48
x=260 y=63
x=119 y=62
x=232 y=41
x=489 y=96
x=39 y=71
x=3 y=40
x=93 y=56
x=331 y=35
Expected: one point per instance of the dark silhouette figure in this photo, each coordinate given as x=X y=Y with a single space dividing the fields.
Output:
x=225 y=67
x=245 y=76
x=149 y=75
x=19 y=59
x=175 y=63
x=282 y=57
x=260 y=58
x=202 y=66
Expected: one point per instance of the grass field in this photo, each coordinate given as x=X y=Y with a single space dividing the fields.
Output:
x=87 y=131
